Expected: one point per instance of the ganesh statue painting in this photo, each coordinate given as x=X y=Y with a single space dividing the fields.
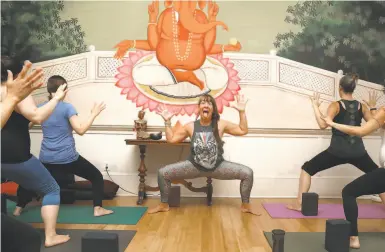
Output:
x=180 y=60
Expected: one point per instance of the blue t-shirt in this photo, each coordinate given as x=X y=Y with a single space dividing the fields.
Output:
x=58 y=145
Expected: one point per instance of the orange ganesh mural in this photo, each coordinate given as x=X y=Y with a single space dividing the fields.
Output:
x=179 y=61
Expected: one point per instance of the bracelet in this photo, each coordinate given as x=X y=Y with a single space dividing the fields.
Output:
x=151 y=24
x=167 y=124
x=373 y=109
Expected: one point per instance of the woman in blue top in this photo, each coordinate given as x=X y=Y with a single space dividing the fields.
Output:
x=58 y=152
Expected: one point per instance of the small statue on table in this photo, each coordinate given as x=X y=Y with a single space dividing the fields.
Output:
x=141 y=129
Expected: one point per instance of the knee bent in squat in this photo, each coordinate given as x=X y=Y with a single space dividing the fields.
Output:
x=52 y=197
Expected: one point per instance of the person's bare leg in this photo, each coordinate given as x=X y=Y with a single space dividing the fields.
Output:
x=100 y=211
x=17 y=211
x=162 y=207
x=247 y=208
x=304 y=186
x=49 y=214
x=354 y=242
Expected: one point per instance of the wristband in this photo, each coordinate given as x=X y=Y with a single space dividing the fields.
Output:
x=373 y=109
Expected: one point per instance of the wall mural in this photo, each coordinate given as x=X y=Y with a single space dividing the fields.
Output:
x=347 y=35
x=179 y=61
x=34 y=30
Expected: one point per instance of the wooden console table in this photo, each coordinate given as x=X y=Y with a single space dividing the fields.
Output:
x=143 y=188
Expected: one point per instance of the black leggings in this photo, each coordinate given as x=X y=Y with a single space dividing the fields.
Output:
x=82 y=168
x=368 y=184
x=326 y=160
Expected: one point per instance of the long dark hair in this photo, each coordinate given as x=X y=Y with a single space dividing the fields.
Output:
x=214 y=120
x=53 y=83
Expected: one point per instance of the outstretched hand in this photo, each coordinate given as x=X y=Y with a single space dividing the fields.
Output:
x=98 y=107
x=373 y=98
x=315 y=99
x=162 y=111
x=240 y=103
x=18 y=89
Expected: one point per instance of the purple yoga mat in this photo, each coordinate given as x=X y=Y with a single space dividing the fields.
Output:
x=325 y=211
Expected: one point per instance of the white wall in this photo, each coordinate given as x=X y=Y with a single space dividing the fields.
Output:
x=283 y=133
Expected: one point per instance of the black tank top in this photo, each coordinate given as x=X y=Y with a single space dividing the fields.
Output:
x=205 y=155
x=15 y=140
x=342 y=144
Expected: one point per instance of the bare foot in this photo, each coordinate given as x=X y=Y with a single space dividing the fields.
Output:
x=162 y=207
x=56 y=240
x=246 y=208
x=17 y=211
x=296 y=206
x=354 y=242
x=100 y=211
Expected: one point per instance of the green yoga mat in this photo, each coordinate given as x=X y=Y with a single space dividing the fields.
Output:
x=75 y=214
x=315 y=242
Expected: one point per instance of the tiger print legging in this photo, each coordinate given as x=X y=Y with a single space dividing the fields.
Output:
x=225 y=171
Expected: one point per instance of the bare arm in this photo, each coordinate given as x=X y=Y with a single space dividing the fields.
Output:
x=331 y=113
x=178 y=135
x=34 y=114
x=28 y=108
x=367 y=113
x=373 y=124
x=240 y=129
x=81 y=125
x=16 y=90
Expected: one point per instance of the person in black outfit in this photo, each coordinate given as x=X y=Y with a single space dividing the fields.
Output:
x=17 y=162
x=343 y=149
x=17 y=236
x=367 y=184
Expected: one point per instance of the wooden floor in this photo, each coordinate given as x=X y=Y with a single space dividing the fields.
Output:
x=195 y=227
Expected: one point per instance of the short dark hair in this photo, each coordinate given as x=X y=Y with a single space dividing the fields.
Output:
x=348 y=83
x=11 y=64
x=53 y=83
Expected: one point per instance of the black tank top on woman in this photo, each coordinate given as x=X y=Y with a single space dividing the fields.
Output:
x=343 y=145
x=205 y=155
x=15 y=140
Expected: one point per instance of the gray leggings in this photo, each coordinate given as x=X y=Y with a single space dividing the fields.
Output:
x=225 y=171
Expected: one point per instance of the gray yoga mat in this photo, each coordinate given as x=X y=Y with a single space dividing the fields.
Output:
x=315 y=242
x=75 y=243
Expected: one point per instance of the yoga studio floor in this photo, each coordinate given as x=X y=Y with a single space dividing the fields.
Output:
x=195 y=227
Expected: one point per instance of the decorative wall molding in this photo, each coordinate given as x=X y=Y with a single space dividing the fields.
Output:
x=252 y=131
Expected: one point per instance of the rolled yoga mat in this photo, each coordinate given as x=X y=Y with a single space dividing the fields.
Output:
x=315 y=242
x=325 y=211
x=75 y=243
x=75 y=214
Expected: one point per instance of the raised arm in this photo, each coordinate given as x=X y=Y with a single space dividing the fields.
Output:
x=81 y=124
x=371 y=103
x=38 y=115
x=18 y=89
x=241 y=128
x=372 y=125
x=180 y=133
x=331 y=112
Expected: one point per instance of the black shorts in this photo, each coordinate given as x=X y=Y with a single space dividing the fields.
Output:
x=326 y=160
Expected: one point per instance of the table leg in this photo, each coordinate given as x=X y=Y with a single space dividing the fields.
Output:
x=142 y=174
